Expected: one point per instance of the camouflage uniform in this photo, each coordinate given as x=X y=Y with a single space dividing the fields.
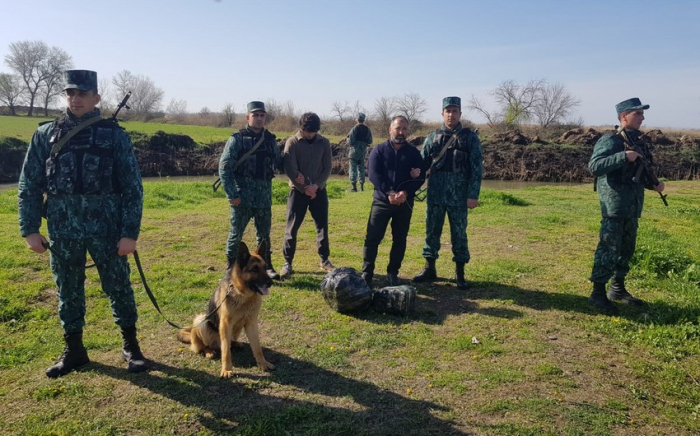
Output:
x=621 y=203
x=359 y=139
x=252 y=183
x=93 y=198
x=453 y=179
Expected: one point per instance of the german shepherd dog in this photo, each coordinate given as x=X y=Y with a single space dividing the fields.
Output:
x=238 y=297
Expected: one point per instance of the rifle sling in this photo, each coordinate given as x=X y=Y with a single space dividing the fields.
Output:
x=74 y=131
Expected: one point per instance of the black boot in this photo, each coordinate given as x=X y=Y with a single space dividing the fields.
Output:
x=362 y=187
x=74 y=356
x=617 y=292
x=600 y=301
x=354 y=187
x=271 y=269
x=459 y=276
x=429 y=272
x=132 y=353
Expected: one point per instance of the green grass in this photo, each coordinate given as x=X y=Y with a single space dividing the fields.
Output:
x=519 y=353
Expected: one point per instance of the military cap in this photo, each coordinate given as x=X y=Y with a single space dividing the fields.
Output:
x=361 y=117
x=256 y=106
x=632 y=104
x=452 y=101
x=84 y=80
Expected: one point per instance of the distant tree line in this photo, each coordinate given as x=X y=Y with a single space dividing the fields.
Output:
x=36 y=80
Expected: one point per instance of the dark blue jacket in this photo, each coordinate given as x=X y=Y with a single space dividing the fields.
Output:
x=390 y=170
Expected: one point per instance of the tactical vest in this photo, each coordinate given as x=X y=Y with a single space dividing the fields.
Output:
x=261 y=163
x=456 y=158
x=85 y=165
x=361 y=133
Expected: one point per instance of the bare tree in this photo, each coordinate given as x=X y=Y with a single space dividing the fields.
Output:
x=290 y=110
x=52 y=69
x=554 y=104
x=492 y=118
x=384 y=108
x=518 y=102
x=341 y=111
x=412 y=106
x=176 y=110
x=228 y=115
x=10 y=91
x=273 y=109
x=25 y=58
x=146 y=97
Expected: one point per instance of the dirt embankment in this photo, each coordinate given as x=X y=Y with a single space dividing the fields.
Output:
x=507 y=156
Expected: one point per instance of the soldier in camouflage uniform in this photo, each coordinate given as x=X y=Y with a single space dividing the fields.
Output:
x=93 y=205
x=359 y=139
x=246 y=173
x=621 y=203
x=454 y=156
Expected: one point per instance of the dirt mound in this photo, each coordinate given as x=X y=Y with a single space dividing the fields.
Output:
x=656 y=136
x=690 y=141
x=580 y=136
x=512 y=137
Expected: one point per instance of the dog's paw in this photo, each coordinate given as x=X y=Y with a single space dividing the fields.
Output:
x=226 y=373
x=266 y=366
x=210 y=355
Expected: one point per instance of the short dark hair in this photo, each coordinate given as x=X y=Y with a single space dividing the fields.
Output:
x=400 y=117
x=310 y=122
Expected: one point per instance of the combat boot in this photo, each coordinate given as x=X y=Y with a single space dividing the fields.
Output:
x=362 y=187
x=459 y=276
x=354 y=187
x=617 y=292
x=600 y=301
x=74 y=356
x=132 y=352
x=429 y=272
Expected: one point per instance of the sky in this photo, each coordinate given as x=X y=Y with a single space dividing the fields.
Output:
x=314 y=53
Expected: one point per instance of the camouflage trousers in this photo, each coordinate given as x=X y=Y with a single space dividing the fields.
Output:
x=357 y=170
x=68 y=268
x=618 y=239
x=434 y=222
x=240 y=217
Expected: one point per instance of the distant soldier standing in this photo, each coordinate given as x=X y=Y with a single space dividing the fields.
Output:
x=621 y=201
x=85 y=166
x=359 y=139
x=454 y=156
x=246 y=169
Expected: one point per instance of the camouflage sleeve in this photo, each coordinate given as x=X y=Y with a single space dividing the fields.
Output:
x=476 y=164
x=129 y=175
x=226 y=164
x=352 y=135
x=369 y=141
x=427 y=149
x=606 y=157
x=32 y=182
x=327 y=163
x=279 y=159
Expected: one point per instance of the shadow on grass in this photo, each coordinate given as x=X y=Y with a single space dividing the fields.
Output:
x=241 y=404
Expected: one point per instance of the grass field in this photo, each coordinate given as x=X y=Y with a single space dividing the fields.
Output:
x=520 y=353
x=23 y=128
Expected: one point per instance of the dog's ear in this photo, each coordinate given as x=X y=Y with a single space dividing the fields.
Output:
x=262 y=249
x=243 y=255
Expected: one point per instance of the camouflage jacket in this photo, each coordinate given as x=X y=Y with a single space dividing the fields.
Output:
x=459 y=174
x=252 y=180
x=358 y=147
x=79 y=216
x=620 y=197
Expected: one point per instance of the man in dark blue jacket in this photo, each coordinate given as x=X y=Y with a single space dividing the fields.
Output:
x=395 y=169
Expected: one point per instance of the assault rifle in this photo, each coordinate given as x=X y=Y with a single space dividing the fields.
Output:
x=643 y=167
x=121 y=105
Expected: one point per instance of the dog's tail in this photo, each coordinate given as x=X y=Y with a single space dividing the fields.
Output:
x=185 y=335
